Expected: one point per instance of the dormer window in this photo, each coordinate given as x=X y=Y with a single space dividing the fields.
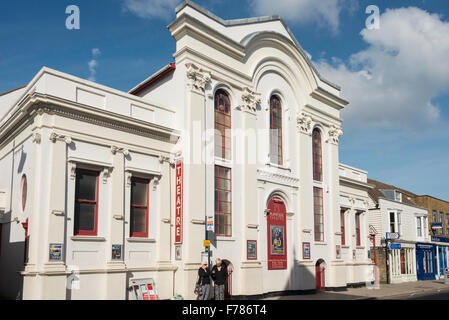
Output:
x=398 y=195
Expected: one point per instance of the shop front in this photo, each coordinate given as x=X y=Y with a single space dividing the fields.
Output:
x=425 y=258
x=441 y=252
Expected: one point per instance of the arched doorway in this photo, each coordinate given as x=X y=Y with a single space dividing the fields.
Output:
x=228 y=285
x=320 y=271
x=277 y=234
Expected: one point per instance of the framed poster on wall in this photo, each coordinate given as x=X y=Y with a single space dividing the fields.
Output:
x=306 y=250
x=251 y=249
x=55 y=252
x=276 y=234
x=277 y=240
x=116 y=252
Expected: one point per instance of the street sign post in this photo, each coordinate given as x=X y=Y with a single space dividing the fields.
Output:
x=392 y=236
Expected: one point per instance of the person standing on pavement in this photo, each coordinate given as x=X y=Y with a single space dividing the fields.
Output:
x=204 y=281
x=220 y=275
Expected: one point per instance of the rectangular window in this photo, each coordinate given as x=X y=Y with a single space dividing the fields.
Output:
x=342 y=219
x=418 y=223
x=392 y=222
x=399 y=226
x=442 y=222
x=434 y=216
x=223 y=201
x=86 y=202
x=318 y=213
x=447 y=223
x=139 y=208
x=357 y=228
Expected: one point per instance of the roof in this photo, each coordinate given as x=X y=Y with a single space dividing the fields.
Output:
x=375 y=193
x=238 y=22
x=153 y=79
x=12 y=90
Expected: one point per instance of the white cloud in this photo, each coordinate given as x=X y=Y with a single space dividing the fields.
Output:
x=93 y=64
x=96 y=52
x=393 y=82
x=151 y=8
x=322 y=12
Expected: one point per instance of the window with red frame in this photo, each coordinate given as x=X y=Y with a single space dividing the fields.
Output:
x=139 y=207
x=276 y=130
x=342 y=218
x=318 y=214
x=223 y=201
x=86 y=202
x=317 y=155
x=222 y=125
x=357 y=228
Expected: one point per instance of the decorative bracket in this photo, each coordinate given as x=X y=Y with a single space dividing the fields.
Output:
x=115 y=150
x=37 y=138
x=59 y=137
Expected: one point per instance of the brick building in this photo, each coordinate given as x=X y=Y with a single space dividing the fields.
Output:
x=438 y=212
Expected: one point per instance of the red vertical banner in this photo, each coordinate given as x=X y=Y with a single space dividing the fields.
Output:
x=178 y=201
x=277 y=234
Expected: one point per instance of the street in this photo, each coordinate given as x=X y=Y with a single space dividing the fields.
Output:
x=419 y=290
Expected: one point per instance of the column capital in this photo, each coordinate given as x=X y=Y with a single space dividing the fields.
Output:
x=304 y=123
x=250 y=100
x=197 y=78
x=334 y=134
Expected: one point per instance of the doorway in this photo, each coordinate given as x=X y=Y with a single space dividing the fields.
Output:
x=320 y=271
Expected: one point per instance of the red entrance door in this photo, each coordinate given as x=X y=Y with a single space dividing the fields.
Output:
x=277 y=234
x=320 y=279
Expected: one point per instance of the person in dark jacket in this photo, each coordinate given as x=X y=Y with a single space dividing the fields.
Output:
x=220 y=276
x=204 y=281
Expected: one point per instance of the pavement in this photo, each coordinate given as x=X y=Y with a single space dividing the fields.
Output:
x=399 y=291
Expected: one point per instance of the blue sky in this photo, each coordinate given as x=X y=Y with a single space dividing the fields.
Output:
x=396 y=78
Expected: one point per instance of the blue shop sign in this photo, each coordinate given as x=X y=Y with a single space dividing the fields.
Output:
x=439 y=239
x=394 y=246
x=424 y=246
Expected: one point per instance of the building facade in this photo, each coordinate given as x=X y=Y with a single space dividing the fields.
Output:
x=393 y=211
x=236 y=142
x=438 y=212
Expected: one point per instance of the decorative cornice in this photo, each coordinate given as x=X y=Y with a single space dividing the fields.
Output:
x=334 y=134
x=37 y=103
x=277 y=178
x=197 y=78
x=250 y=100
x=304 y=123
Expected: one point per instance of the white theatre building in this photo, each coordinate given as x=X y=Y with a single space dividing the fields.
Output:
x=240 y=134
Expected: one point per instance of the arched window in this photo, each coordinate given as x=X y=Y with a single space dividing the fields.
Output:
x=317 y=155
x=275 y=130
x=222 y=125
